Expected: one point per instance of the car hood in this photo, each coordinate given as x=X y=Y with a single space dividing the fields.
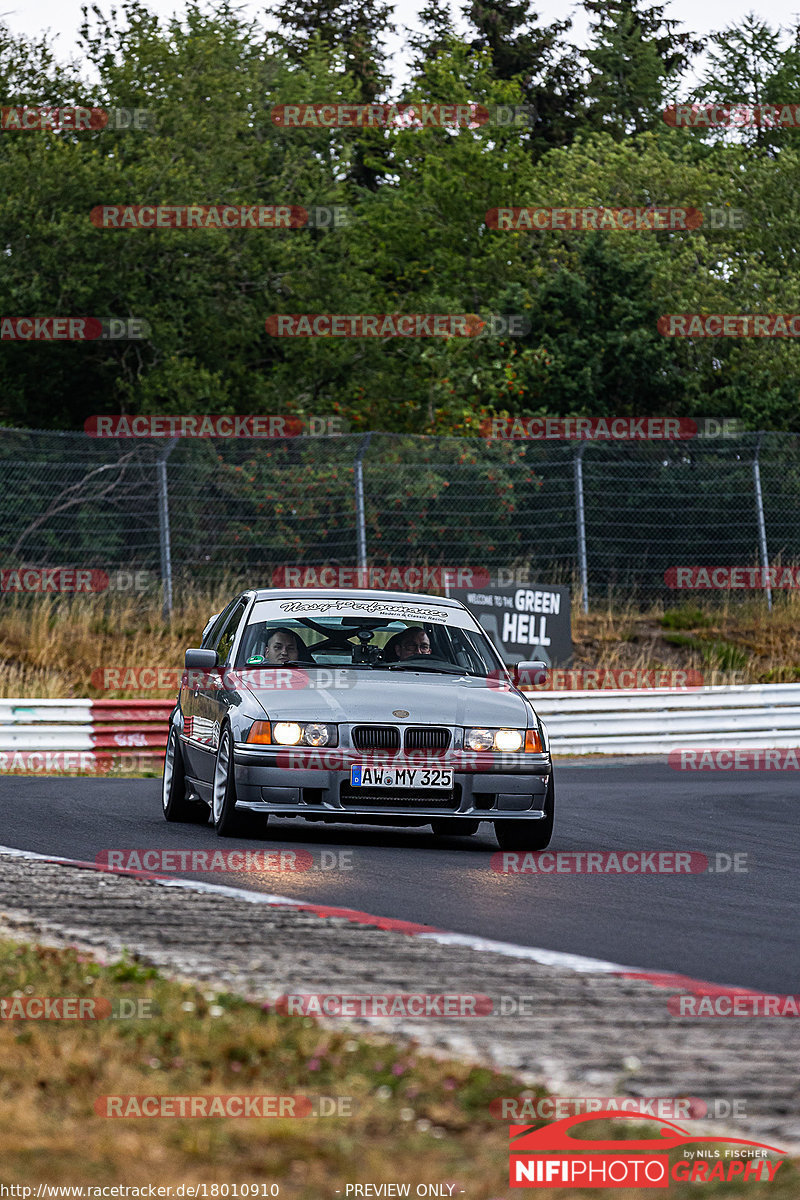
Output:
x=373 y=696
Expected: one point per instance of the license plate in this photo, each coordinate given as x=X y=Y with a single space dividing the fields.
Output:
x=400 y=777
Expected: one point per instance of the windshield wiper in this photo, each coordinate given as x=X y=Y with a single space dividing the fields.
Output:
x=443 y=670
x=265 y=666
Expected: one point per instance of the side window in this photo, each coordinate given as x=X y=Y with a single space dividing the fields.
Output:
x=465 y=655
x=213 y=629
x=223 y=646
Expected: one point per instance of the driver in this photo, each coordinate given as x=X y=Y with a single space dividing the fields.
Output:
x=412 y=642
x=282 y=647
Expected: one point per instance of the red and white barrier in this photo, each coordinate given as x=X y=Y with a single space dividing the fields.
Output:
x=636 y=721
x=71 y=736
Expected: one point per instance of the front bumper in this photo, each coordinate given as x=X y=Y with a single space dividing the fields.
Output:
x=487 y=787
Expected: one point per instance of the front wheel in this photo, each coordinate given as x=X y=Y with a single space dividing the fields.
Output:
x=529 y=835
x=174 y=803
x=455 y=826
x=223 y=801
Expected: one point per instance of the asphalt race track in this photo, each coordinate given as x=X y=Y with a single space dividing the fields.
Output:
x=735 y=928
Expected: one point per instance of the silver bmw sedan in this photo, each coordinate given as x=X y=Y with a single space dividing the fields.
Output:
x=357 y=706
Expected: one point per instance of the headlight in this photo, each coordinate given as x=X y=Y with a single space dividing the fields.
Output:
x=505 y=740
x=508 y=739
x=293 y=733
x=287 y=733
x=317 y=735
x=479 y=739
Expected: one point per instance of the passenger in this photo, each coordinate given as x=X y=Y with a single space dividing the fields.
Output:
x=411 y=642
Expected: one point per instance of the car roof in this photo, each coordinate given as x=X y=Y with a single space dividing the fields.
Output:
x=351 y=594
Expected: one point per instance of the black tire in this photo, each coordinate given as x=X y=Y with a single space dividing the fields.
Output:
x=174 y=803
x=529 y=835
x=455 y=826
x=227 y=822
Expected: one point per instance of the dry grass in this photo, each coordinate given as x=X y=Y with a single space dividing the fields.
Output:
x=729 y=641
x=412 y=1118
x=49 y=646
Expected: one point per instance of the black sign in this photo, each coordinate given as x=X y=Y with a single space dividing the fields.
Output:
x=524 y=622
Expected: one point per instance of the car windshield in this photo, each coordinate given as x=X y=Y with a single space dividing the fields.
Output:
x=372 y=643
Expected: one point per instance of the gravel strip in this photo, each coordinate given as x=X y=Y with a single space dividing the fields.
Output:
x=592 y=1033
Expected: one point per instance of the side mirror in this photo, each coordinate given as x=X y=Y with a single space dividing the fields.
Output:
x=531 y=673
x=200 y=660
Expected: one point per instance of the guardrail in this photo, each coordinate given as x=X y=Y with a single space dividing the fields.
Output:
x=579 y=722
x=83 y=735
x=751 y=716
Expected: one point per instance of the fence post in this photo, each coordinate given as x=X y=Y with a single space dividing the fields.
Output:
x=361 y=521
x=762 y=528
x=163 y=527
x=581 y=519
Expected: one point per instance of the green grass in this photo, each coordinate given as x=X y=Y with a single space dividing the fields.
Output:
x=683 y=639
x=685 y=618
x=725 y=656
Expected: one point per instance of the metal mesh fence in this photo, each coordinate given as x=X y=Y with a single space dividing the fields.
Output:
x=207 y=509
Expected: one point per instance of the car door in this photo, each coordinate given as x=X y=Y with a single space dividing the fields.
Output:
x=195 y=751
x=210 y=700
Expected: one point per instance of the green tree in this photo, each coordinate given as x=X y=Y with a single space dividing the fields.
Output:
x=354 y=33
x=417 y=241
x=636 y=57
x=436 y=33
x=597 y=326
x=748 y=65
x=357 y=29
x=538 y=58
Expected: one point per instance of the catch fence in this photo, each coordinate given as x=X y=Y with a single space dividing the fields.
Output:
x=184 y=513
